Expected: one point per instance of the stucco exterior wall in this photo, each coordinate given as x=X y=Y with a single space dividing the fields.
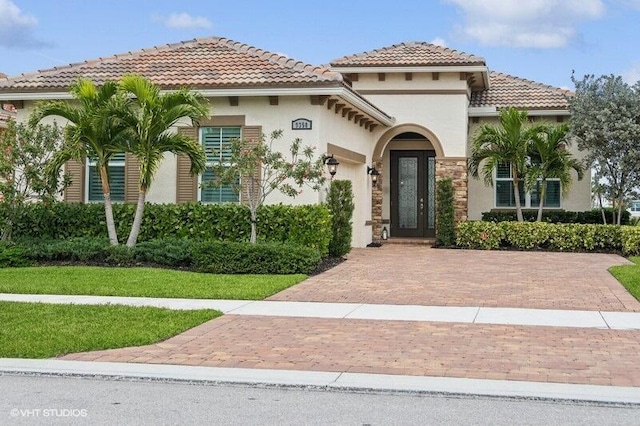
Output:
x=338 y=131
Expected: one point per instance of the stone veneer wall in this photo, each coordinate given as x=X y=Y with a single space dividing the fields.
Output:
x=456 y=169
x=376 y=205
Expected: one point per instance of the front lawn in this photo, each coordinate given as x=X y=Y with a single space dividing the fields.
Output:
x=629 y=276
x=37 y=330
x=141 y=282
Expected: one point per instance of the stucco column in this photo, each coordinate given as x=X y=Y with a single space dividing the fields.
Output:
x=376 y=204
x=456 y=169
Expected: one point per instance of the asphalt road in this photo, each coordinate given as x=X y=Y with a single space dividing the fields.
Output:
x=68 y=400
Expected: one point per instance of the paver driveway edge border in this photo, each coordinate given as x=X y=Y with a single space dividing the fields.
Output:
x=326 y=380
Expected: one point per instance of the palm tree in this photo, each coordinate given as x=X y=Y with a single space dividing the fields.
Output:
x=92 y=132
x=149 y=121
x=550 y=159
x=506 y=144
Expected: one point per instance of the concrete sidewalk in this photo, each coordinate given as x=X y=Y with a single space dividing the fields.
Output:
x=448 y=314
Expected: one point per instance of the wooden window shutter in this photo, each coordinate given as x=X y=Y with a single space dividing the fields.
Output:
x=252 y=135
x=187 y=184
x=75 y=191
x=131 y=178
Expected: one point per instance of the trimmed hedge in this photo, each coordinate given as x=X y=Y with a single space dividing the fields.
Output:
x=445 y=221
x=340 y=203
x=542 y=235
x=556 y=216
x=308 y=226
x=223 y=257
x=242 y=258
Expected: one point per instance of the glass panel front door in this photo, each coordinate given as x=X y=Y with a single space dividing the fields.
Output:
x=408 y=193
x=412 y=194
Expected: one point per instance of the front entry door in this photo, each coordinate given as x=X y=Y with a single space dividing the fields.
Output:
x=412 y=194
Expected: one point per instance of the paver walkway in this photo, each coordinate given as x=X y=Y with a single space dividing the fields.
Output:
x=418 y=275
x=424 y=276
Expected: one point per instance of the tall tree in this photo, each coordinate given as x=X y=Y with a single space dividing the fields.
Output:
x=148 y=121
x=507 y=143
x=92 y=132
x=550 y=159
x=605 y=120
x=27 y=152
x=258 y=169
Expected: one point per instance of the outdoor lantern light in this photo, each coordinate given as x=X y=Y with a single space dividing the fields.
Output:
x=332 y=164
x=374 y=174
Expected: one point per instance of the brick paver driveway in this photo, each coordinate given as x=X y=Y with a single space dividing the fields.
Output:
x=421 y=275
x=417 y=275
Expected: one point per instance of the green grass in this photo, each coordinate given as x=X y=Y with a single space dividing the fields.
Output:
x=37 y=330
x=141 y=282
x=629 y=276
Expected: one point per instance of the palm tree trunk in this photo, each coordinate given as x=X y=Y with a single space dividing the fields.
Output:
x=543 y=192
x=137 y=220
x=108 y=209
x=516 y=193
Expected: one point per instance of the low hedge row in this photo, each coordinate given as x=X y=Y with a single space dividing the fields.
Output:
x=557 y=216
x=561 y=237
x=308 y=226
x=224 y=257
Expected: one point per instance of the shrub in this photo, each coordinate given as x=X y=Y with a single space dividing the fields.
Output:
x=445 y=221
x=630 y=239
x=308 y=226
x=340 y=204
x=555 y=216
x=172 y=252
x=221 y=257
x=479 y=235
x=82 y=249
x=13 y=256
x=526 y=235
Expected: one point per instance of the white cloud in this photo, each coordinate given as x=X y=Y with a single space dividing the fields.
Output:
x=632 y=75
x=439 y=41
x=183 y=21
x=532 y=23
x=16 y=28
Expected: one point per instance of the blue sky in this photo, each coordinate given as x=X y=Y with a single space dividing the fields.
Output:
x=543 y=40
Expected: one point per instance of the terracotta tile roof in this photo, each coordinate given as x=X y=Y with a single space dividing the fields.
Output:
x=506 y=90
x=200 y=63
x=409 y=54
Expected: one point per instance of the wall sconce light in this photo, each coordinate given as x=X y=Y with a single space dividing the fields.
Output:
x=332 y=164
x=374 y=174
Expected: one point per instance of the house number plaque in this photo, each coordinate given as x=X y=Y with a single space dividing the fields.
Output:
x=301 y=124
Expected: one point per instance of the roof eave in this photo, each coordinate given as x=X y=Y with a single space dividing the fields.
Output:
x=493 y=111
x=331 y=89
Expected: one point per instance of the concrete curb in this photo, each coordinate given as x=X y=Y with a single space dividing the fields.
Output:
x=326 y=380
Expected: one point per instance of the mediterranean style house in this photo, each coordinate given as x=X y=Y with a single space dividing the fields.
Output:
x=409 y=110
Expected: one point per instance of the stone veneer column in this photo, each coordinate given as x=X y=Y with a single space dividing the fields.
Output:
x=376 y=205
x=456 y=169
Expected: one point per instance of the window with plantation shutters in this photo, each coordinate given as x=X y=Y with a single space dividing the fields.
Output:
x=116 y=179
x=217 y=144
x=504 y=191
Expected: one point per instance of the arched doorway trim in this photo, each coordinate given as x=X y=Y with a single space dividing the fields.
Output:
x=406 y=128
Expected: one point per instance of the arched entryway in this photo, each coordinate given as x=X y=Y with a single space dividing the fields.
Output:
x=403 y=202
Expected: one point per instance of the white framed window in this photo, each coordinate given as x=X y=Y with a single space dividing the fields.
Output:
x=634 y=206
x=116 y=180
x=504 y=197
x=217 y=144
